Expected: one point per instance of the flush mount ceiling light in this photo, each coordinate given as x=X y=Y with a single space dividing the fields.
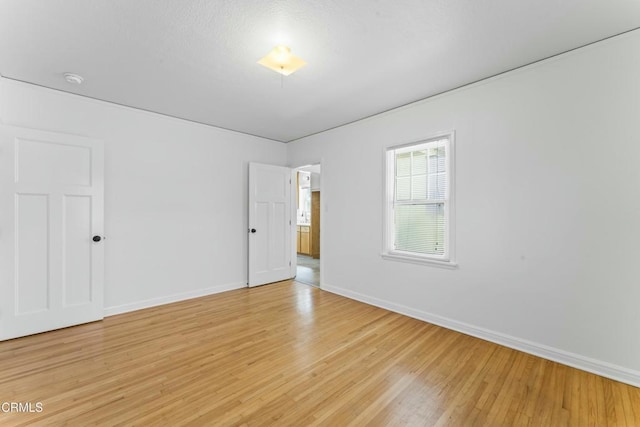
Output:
x=74 y=79
x=282 y=61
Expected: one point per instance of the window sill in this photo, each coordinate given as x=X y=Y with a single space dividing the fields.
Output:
x=419 y=260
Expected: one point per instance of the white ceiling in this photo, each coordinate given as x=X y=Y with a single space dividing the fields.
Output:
x=196 y=59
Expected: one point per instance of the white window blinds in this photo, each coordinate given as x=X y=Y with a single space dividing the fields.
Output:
x=419 y=207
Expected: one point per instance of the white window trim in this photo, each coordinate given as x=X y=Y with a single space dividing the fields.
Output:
x=449 y=259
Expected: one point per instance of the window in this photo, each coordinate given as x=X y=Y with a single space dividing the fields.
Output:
x=418 y=202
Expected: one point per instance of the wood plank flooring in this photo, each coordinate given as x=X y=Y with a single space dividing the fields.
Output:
x=291 y=354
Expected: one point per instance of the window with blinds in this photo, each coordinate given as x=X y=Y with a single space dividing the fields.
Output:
x=418 y=199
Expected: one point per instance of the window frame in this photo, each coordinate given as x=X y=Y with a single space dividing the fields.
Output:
x=447 y=260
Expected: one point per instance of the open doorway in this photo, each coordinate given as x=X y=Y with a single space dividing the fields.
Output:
x=308 y=243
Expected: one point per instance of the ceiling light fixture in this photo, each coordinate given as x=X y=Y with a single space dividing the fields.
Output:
x=282 y=61
x=74 y=79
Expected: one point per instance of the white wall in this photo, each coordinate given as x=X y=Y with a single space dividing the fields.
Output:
x=548 y=209
x=175 y=193
x=315 y=175
x=315 y=181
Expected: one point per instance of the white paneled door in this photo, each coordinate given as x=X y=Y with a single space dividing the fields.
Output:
x=269 y=223
x=51 y=225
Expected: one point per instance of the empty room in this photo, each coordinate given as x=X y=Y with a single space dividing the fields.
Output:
x=367 y=213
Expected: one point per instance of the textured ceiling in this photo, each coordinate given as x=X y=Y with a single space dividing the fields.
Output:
x=196 y=59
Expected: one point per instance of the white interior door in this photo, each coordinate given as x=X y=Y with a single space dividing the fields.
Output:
x=51 y=207
x=269 y=224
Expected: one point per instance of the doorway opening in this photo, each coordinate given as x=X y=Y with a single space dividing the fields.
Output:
x=308 y=196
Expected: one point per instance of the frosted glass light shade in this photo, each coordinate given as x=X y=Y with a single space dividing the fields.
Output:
x=282 y=61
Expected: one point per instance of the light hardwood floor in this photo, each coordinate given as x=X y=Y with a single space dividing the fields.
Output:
x=291 y=354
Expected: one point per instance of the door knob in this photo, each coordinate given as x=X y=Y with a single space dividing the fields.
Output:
x=253 y=230
x=97 y=238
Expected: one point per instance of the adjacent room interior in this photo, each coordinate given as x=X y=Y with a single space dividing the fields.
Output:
x=308 y=193
x=333 y=213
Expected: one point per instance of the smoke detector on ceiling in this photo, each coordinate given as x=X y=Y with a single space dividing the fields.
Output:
x=74 y=79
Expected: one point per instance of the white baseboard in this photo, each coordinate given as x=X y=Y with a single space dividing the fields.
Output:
x=139 y=305
x=605 y=369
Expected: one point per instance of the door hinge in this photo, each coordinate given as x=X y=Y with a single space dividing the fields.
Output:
x=289 y=222
x=289 y=263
